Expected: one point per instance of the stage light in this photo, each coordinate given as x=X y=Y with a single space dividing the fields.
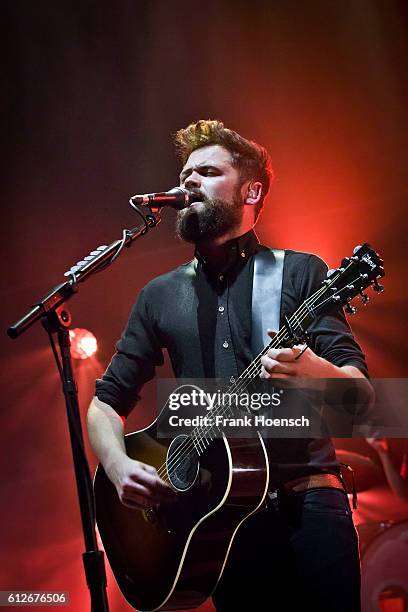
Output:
x=83 y=343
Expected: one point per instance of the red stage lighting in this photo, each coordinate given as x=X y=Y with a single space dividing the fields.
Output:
x=83 y=343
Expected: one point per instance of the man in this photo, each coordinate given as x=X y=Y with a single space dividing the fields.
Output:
x=302 y=552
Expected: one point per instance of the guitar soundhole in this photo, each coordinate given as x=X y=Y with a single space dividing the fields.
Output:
x=182 y=463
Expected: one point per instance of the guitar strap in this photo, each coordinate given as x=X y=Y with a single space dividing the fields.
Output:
x=266 y=296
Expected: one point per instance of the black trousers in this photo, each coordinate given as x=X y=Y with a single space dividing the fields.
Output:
x=301 y=554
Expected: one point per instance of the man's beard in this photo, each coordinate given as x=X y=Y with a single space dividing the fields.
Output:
x=216 y=218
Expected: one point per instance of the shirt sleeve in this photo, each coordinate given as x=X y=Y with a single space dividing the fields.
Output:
x=330 y=334
x=138 y=352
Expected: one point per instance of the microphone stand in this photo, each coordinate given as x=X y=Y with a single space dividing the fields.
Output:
x=56 y=318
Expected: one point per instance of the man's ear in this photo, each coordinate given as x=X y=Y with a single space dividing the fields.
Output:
x=254 y=193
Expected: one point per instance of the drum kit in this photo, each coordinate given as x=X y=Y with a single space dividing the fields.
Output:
x=383 y=544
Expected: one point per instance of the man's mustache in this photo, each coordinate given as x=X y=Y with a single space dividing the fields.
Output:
x=196 y=196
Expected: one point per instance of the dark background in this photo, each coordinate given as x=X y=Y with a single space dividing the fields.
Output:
x=92 y=93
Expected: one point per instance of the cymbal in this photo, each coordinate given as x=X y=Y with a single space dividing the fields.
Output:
x=367 y=474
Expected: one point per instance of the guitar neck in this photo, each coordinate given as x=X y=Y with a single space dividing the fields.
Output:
x=296 y=325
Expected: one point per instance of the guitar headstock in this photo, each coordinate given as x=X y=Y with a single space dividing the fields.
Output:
x=355 y=274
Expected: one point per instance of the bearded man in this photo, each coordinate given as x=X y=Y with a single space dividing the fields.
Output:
x=301 y=552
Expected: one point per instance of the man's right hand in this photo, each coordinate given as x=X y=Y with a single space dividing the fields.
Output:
x=138 y=485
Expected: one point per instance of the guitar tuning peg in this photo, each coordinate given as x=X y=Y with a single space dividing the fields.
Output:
x=330 y=272
x=356 y=249
x=377 y=287
x=351 y=310
x=364 y=297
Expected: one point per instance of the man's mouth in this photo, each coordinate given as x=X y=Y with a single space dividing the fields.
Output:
x=194 y=198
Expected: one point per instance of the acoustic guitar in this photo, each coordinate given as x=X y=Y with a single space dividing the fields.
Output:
x=171 y=556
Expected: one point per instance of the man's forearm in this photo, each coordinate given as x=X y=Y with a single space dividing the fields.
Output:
x=326 y=369
x=138 y=485
x=106 y=433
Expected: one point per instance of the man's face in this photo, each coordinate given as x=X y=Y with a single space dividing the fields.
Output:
x=209 y=176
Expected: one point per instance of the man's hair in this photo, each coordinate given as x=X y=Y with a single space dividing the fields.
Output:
x=251 y=159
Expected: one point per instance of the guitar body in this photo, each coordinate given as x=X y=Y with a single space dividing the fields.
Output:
x=171 y=557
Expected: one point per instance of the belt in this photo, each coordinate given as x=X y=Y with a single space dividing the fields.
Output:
x=311 y=481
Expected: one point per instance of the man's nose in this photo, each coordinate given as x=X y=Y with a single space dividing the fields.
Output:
x=193 y=180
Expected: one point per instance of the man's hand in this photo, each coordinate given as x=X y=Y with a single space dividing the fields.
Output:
x=138 y=484
x=282 y=363
x=286 y=362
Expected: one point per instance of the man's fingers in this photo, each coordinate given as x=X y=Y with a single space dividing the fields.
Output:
x=141 y=487
x=284 y=354
x=272 y=366
x=157 y=488
x=162 y=490
x=136 y=491
x=135 y=503
x=265 y=374
x=148 y=468
x=140 y=497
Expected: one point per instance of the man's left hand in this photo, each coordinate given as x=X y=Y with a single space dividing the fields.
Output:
x=286 y=362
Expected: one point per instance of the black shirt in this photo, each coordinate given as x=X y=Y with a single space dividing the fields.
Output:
x=201 y=313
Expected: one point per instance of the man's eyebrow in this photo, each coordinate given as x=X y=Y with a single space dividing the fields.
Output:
x=188 y=171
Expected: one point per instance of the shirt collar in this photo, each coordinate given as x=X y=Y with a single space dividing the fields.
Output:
x=230 y=254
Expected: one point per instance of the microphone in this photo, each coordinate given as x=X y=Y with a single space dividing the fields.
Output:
x=177 y=198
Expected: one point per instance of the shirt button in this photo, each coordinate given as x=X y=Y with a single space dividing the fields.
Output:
x=225 y=344
x=221 y=308
x=243 y=254
x=221 y=277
